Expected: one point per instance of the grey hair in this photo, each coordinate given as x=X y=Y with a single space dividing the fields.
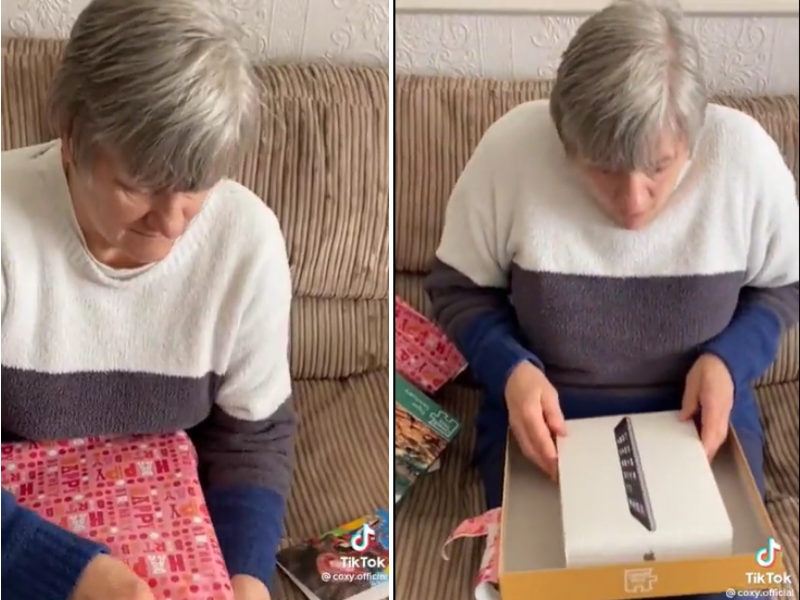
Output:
x=630 y=73
x=163 y=84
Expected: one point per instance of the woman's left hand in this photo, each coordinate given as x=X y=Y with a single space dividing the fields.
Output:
x=246 y=587
x=710 y=390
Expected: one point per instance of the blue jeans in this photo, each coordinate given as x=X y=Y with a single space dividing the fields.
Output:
x=492 y=430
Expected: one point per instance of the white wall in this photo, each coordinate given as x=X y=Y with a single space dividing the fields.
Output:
x=342 y=31
x=744 y=54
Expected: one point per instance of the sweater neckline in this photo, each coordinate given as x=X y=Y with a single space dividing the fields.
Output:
x=78 y=252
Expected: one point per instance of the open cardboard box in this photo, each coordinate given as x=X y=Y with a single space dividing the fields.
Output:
x=533 y=565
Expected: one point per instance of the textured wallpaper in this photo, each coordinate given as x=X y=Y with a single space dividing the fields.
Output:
x=341 y=31
x=742 y=54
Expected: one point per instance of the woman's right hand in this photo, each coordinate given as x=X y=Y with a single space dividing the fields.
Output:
x=535 y=416
x=106 y=578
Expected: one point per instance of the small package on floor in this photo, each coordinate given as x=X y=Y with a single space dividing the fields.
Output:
x=138 y=495
x=423 y=354
x=350 y=562
x=653 y=496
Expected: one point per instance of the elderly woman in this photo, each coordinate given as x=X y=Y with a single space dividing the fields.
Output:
x=142 y=291
x=623 y=247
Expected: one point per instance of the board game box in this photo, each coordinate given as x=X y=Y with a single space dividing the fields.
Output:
x=423 y=429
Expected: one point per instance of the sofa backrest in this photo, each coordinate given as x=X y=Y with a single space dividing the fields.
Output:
x=439 y=121
x=321 y=163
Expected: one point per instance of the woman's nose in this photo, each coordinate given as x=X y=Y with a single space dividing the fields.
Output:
x=634 y=195
x=168 y=219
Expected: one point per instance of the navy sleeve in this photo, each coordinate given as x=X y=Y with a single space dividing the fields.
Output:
x=481 y=322
x=248 y=521
x=491 y=346
x=40 y=561
x=749 y=344
x=246 y=471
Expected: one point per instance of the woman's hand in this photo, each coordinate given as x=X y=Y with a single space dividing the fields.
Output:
x=105 y=578
x=709 y=390
x=534 y=415
x=249 y=588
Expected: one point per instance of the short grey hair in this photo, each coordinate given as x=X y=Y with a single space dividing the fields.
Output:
x=630 y=73
x=164 y=84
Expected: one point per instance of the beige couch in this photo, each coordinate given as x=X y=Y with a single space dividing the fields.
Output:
x=438 y=123
x=322 y=164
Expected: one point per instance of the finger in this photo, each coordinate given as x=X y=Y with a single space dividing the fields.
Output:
x=714 y=424
x=529 y=449
x=525 y=444
x=713 y=442
x=554 y=419
x=691 y=399
x=543 y=444
x=540 y=434
x=553 y=415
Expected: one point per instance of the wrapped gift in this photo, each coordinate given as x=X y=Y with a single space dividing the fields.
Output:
x=139 y=495
x=423 y=354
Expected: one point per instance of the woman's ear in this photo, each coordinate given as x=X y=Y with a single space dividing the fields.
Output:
x=66 y=152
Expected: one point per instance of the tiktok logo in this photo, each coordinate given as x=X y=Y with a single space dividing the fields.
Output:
x=766 y=556
x=362 y=537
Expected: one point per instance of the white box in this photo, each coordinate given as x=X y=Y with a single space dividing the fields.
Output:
x=638 y=488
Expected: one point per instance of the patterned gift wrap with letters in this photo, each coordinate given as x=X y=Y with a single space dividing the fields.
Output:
x=422 y=353
x=139 y=495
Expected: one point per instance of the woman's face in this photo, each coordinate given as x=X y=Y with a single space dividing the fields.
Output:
x=126 y=226
x=633 y=200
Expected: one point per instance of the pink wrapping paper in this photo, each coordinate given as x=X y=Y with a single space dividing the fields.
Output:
x=138 y=495
x=423 y=354
x=486 y=526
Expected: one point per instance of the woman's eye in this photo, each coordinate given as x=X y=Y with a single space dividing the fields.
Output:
x=135 y=191
x=660 y=168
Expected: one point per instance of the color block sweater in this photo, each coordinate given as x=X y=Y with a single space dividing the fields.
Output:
x=196 y=342
x=530 y=268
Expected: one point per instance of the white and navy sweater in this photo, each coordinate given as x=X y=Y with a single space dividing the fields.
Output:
x=530 y=268
x=197 y=342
